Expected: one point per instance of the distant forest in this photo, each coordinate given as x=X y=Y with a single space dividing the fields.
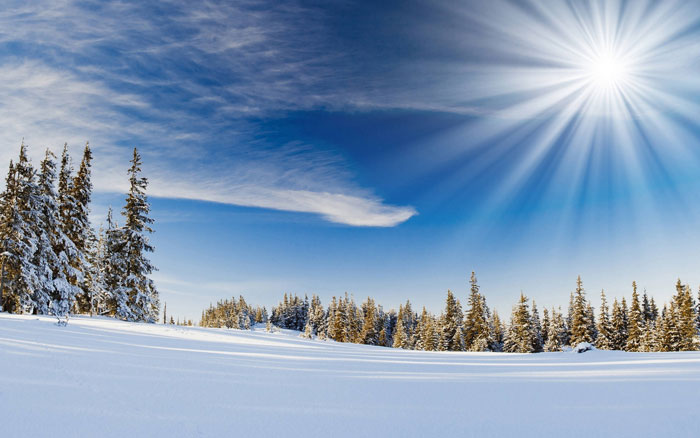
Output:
x=54 y=263
x=635 y=326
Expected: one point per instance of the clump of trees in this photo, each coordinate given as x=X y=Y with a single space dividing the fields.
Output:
x=639 y=326
x=54 y=262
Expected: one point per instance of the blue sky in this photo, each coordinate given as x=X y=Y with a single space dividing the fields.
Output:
x=380 y=148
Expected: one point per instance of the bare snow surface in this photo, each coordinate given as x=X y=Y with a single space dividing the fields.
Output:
x=101 y=377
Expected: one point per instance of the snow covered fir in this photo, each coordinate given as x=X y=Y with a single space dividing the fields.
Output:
x=54 y=262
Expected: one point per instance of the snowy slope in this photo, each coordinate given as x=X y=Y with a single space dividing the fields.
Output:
x=100 y=377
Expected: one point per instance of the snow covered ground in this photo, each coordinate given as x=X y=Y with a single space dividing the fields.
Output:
x=100 y=377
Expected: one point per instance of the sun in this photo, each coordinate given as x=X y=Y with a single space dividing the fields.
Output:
x=608 y=70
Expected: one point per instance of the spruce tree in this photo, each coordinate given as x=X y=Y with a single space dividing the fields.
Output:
x=555 y=333
x=635 y=322
x=580 y=317
x=519 y=338
x=24 y=236
x=55 y=249
x=451 y=338
x=619 y=327
x=686 y=319
x=537 y=342
x=476 y=330
x=605 y=339
x=545 y=325
x=369 y=333
x=138 y=296
x=80 y=231
x=497 y=332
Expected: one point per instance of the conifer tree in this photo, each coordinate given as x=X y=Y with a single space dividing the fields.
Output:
x=686 y=318
x=55 y=249
x=537 y=343
x=138 y=295
x=80 y=231
x=580 y=317
x=451 y=338
x=605 y=339
x=400 y=338
x=9 y=243
x=369 y=333
x=497 y=332
x=476 y=328
x=646 y=307
x=23 y=236
x=519 y=338
x=555 y=332
x=545 y=325
x=635 y=320
x=619 y=327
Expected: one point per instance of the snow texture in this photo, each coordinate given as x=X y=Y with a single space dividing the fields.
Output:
x=102 y=377
x=582 y=347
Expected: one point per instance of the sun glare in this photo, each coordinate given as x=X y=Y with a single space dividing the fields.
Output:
x=608 y=70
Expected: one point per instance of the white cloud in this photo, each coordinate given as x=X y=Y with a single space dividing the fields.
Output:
x=334 y=207
x=71 y=91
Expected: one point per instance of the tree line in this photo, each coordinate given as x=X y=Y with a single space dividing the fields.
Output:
x=637 y=326
x=54 y=262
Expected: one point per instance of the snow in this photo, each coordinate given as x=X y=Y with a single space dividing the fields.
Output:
x=101 y=377
x=582 y=347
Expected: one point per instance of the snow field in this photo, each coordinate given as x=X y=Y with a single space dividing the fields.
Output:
x=102 y=377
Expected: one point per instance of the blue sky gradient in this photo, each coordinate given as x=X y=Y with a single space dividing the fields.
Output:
x=380 y=148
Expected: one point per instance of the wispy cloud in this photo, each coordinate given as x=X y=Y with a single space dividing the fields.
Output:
x=181 y=80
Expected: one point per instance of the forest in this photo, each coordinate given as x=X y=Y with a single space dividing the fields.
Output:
x=635 y=326
x=54 y=262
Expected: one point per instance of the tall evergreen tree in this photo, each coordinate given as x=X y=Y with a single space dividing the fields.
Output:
x=24 y=239
x=476 y=330
x=605 y=339
x=80 y=231
x=686 y=318
x=55 y=249
x=555 y=333
x=619 y=327
x=635 y=322
x=580 y=317
x=519 y=338
x=451 y=338
x=139 y=297
x=537 y=342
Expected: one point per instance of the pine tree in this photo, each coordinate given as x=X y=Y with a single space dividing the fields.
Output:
x=545 y=325
x=605 y=339
x=22 y=237
x=555 y=333
x=138 y=297
x=646 y=307
x=537 y=343
x=400 y=338
x=497 y=332
x=9 y=244
x=619 y=327
x=80 y=231
x=635 y=322
x=369 y=333
x=476 y=330
x=580 y=317
x=520 y=334
x=686 y=318
x=451 y=338
x=55 y=249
